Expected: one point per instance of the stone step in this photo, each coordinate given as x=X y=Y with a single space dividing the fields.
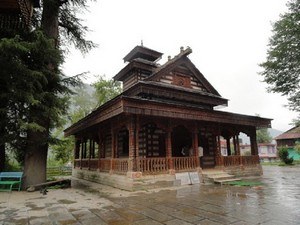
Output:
x=221 y=176
x=227 y=180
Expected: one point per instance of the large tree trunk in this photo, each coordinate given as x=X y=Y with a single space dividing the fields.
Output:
x=2 y=157
x=35 y=163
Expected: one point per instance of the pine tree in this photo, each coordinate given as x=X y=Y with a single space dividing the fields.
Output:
x=36 y=92
x=282 y=67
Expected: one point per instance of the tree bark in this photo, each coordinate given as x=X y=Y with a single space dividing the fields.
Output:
x=35 y=164
x=2 y=157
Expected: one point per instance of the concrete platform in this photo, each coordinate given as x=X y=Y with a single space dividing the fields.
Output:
x=277 y=201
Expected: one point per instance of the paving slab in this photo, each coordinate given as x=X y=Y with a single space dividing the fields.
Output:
x=276 y=201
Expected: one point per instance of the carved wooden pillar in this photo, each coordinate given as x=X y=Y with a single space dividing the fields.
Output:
x=228 y=146
x=81 y=153
x=238 y=145
x=195 y=146
x=136 y=157
x=132 y=145
x=254 y=149
x=113 y=149
x=169 y=150
x=100 y=149
x=234 y=145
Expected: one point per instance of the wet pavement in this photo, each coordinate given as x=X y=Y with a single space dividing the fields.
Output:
x=276 y=201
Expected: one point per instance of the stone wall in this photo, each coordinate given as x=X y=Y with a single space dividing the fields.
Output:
x=129 y=182
x=244 y=171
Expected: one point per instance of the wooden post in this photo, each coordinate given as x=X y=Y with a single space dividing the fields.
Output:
x=132 y=145
x=169 y=151
x=137 y=130
x=238 y=145
x=113 y=149
x=234 y=144
x=100 y=150
x=195 y=146
x=254 y=149
x=228 y=146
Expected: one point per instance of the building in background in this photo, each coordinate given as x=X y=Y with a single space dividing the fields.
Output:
x=290 y=139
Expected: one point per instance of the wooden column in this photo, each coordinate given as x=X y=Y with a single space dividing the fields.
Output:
x=254 y=149
x=113 y=149
x=195 y=146
x=169 y=151
x=228 y=146
x=132 y=145
x=100 y=150
x=238 y=145
x=136 y=157
x=76 y=151
x=234 y=144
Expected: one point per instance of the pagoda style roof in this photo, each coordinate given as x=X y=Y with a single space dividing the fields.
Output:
x=293 y=133
x=145 y=107
x=143 y=53
x=181 y=59
x=174 y=90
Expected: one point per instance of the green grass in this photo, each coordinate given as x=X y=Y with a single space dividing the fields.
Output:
x=279 y=163
x=245 y=183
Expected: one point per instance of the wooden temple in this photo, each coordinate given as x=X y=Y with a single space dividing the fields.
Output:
x=164 y=122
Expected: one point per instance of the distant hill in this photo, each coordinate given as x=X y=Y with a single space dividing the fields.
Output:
x=273 y=132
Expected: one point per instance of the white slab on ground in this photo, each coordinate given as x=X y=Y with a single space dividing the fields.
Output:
x=184 y=178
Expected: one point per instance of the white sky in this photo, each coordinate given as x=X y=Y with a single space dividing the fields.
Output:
x=228 y=38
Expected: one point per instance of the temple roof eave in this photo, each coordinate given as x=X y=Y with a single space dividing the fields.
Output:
x=136 y=106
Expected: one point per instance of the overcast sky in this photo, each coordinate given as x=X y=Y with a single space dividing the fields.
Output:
x=228 y=38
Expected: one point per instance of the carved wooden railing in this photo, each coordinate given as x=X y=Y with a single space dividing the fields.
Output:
x=120 y=166
x=152 y=165
x=84 y=163
x=145 y=165
x=76 y=163
x=184 y=163
x=236 y=160
x=104 y=165
x=93 y=164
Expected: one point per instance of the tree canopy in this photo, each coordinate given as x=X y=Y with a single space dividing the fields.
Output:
x=34 y=92
x=281 y=70
x=263 y=136
x=83 y=101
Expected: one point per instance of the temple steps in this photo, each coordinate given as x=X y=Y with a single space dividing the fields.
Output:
x=218 y=176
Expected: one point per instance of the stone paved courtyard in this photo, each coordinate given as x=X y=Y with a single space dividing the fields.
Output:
x=277 y=201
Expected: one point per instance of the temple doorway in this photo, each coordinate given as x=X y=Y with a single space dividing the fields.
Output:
x=181 y=142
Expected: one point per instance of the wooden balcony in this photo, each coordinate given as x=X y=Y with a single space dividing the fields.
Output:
x=184 y=163
x=144 y=165
x=152 y=165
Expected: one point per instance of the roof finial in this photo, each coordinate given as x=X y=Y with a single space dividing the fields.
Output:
x=142 y=44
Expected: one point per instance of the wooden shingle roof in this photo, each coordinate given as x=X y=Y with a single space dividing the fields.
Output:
x=293 y=133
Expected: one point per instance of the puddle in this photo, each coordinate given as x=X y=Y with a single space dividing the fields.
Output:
x=66 y=201
x=33 y=206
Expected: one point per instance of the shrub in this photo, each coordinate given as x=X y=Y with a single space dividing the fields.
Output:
x=284 y=155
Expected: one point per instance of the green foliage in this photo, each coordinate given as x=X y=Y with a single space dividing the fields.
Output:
x=263 y=136
x=297 y=147
x=83 y=101
x=284 y=155
x=282 y=67
x=106 y=89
